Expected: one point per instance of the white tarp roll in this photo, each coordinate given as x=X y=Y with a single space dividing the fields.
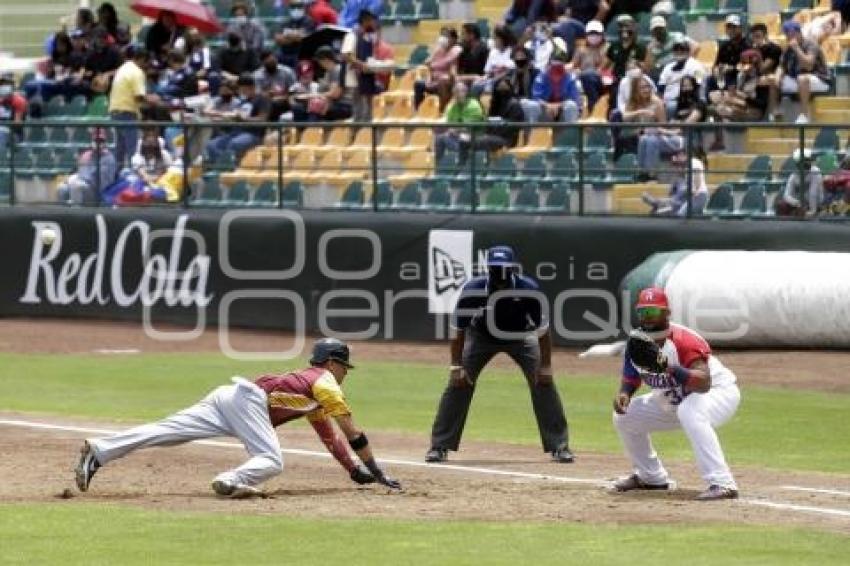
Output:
x=740 y=298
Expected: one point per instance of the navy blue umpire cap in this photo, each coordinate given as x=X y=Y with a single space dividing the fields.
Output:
x=501 y=256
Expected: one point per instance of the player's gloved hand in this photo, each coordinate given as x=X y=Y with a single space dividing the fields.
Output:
x=388 y=481
x=361 y=475
x=621 y=403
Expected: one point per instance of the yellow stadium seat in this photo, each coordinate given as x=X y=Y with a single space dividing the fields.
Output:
x=421 y=139
x=707 y=52
x=831 y=50
x=301 y=165
x=540 y=139
x=310 y=138
x=429 y=110
x=338 y=138
x=419 y=165
x=772 y=20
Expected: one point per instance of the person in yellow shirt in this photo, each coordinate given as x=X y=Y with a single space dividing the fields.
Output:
x=126 y=100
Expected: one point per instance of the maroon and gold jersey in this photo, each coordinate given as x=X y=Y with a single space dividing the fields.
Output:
x=311 y=392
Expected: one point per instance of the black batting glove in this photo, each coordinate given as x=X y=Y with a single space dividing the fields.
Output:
x=361 y=475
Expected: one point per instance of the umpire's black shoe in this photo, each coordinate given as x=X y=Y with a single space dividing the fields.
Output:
x=563 y=455
x=437 y=455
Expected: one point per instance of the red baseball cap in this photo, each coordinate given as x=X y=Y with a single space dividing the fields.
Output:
x=305 y=67
x=653 y=297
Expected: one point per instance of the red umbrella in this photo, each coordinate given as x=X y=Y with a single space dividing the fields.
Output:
x=188 y=14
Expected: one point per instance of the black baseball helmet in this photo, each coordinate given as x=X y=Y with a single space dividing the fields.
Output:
x=330 y=349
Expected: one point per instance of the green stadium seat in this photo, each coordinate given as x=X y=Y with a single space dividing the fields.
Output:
x=754 y=201
x=77 y=107
x=293 y=195
x=405 y=12
x=225 y=162
x=98 y=107
x=438 y=197
x=721 y=201
x=558 y=199
x=383 y=195
x=596 y=168
x=735 y=7
x=565 y=168
x=534 y=168
x=55 y=107
x=827 y=163
x=418 y=55
x=527 y=198
x=497 y=198
x=599 y=139
x=238 y=195
x=502 y=168
x=760 y=170
x=353 y=196
x=35 y=135
x=826 y=140
x=265 y=195
x=65 y=159
x=566 y=141
x=5 y=186
x=463 y=198
x=429 y=10
x=484 y=27
x=210 y=195
x=795 y=6
x=625 y=169
x=410 y=197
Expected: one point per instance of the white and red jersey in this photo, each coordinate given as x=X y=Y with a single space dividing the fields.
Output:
x=682 y=347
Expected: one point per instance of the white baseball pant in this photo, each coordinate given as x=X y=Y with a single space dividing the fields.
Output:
x=698 y=415
x=239 y=410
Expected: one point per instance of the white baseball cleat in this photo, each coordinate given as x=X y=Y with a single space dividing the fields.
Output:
x=633 y=482
x=236 y=490
x=86 y=467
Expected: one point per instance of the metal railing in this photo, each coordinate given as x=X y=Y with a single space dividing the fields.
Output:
x=569 y=168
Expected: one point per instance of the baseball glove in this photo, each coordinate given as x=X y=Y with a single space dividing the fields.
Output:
x=645 y=354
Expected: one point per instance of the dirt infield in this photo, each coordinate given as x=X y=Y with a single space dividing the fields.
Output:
x=178 y=478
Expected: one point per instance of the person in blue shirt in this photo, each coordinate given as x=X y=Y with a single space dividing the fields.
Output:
x=555 y=93
x=502 y=311
x=352 y=8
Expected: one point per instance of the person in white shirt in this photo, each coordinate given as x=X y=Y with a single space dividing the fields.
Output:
x=624 y=90
x=676 y=203
x=499 y=61
x=671 y=76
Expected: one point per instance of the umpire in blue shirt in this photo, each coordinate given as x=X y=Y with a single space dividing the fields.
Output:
x=500 y=312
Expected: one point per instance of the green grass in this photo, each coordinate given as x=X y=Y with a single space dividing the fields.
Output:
x=78 y=533
x=775 y=428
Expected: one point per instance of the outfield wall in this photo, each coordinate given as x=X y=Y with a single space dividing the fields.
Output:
x=363 y=274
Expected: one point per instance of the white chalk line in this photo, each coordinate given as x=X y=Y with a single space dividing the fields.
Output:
x=815 y=490
x=447 y=467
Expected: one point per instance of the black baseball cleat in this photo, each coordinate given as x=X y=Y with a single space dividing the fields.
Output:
x=717 y=492
x=437 y=455
x=633 y=482
x=86 y=467
x=563 y=455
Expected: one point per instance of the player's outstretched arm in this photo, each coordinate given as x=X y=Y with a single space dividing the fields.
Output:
x=338 y=448
x=360 y=444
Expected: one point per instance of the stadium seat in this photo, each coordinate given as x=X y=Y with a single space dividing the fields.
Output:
x=558 y=199
x=338 y=138
x=410 y=197
x=502 y=168
x=429 y=110
x=438 y=197
x=599 y=139
x=707 y=52
x=418 y=56
x=265 y=195
x=98 y=107
x=498 y=198
x=463 y=198
x=721 y=201
x=826 y=140
x=760 y=170
x=353 y=196
x=383 y=195
x=55 y=107
x=405 y=12
x=239 y=194
x=625 y=169
x=211 y=193
x=534 y=168
x=428 y=10
x=539 y=140
x=77 y=107
x=527 y=198
x=596 y=168
x=311 y=138
x=362 y=142
x=293 y=195
x=58 y=136
x=565 y=167
x=754 y=201
x=827 y=162
x=566 y=140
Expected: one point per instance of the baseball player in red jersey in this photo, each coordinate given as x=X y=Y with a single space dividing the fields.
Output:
x=250 y=411
x=695 y=392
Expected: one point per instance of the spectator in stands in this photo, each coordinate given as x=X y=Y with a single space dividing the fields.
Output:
x=802 y=197
x=357 y=49
x=124 y=39
x=463 y=109
x=747 y=101
x=662 y=46
x=653 y=142
x=96 y=169
x=84 y=20
x=524 y=13
x=676 y=203
x=504 y=113
x=13 y=109
x=625 y=51
x=200 y=60
x=292 y=32
x=556 y=93
x=58 y=71
x=499 y=61
x=543 y=45
x=251 y=31
x=107 y=18
x=179 y=80
x=473 y=55
x=689 y=107
x=837 y=187
x=225 y=105
x=102 y=62
x=163 y=35
x=819 y=28
x=305 y=85
x=591 y=63
x=802 y=69
x=843 y=8
x=624 y=88
x=442 y=65
x=255 y=108
x=126 y=99
x=771 y=53
x=524 y=73
x=333 y=100
x=725 y=70
x=573 y=17
x=235 y=61
x=682 y=65
x=152 y=159
x=276 y=80
x=323 y=13
x=351 y=11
